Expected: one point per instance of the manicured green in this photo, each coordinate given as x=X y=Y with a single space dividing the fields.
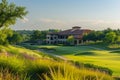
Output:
x=89 y=54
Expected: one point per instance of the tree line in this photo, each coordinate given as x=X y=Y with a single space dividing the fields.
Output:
x=107 y=36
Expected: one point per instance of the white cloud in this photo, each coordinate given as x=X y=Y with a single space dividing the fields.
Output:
x=51 y=21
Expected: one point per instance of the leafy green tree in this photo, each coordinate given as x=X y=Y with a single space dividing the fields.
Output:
x=107 y=30
x=110 y=37
x=43 y=35
x=91 y=36
x=54 y=30
x=117 y=32
x=36 y=35
x=99 y=35
x=16 y=38
x=4 y=33
x=70 y=40
x=118 y=39
x=9 y=13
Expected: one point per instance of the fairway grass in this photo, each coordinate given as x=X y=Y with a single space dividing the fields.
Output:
x=110 y=62
x=88 y=54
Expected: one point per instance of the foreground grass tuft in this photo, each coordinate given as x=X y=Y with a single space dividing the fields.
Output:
x=7 y=75
x=67 y=72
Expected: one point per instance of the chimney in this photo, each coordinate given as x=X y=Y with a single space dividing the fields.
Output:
x=76 y=27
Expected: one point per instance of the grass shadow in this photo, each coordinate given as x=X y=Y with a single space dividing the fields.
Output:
x=85 y=53
x=115 y=52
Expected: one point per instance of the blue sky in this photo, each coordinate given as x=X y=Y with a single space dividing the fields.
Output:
x=64 y=14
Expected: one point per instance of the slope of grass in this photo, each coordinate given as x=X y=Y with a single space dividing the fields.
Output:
x=89 y=54
x=34 y=70
x=69 y=72
x=22 y=52
x=15 y=66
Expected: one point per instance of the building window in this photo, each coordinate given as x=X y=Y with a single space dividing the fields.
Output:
x=75 y=42
x=79 y=41
x=60 y=37
x=51 y=42
x=51 y=38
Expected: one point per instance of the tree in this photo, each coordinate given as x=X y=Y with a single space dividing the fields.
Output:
x=4 y=33
x=118 y=39
x=110 y=37
x=107 y=30
x=16 y=38
x=36 y=35
x=9 y=13
x=91 y=36
x=99 y=35
x=43 y=35
x=70 y=39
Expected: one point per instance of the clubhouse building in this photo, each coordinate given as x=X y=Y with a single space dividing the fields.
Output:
x=62 y=36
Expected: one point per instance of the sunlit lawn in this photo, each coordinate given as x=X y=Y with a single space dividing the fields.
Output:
x=86 y=54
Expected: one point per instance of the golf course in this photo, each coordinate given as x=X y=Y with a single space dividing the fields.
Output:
x=59 y=40
x=88 y=54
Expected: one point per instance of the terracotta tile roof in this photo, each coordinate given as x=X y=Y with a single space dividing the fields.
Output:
x=76 y=32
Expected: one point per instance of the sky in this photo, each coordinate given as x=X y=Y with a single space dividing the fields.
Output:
x=64 y=14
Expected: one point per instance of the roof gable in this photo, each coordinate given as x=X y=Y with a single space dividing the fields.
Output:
x=74 y=32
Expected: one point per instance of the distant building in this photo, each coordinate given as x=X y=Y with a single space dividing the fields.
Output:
x=62 y=36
